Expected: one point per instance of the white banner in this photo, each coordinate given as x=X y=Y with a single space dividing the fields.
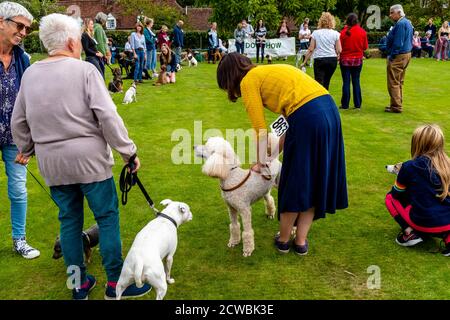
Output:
x=279 y=47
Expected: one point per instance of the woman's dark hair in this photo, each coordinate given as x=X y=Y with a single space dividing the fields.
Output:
x=231 y=70
x=351 y=21
x=258 y=26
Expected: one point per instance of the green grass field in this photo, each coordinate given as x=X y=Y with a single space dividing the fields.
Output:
x=342 y=246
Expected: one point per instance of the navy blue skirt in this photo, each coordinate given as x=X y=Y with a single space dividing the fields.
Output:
x=313 y=171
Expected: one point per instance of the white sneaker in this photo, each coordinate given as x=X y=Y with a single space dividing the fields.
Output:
x=22 y=247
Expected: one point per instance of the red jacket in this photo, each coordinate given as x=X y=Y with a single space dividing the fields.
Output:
x=353 y=45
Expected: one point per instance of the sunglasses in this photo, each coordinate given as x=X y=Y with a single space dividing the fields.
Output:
x=20 y=26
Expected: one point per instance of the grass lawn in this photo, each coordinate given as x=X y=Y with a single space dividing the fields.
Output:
x=342 y=246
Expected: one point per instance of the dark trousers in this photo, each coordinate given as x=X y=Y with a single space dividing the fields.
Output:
x=351 y=74
x=416 y=52
x=429 y=50
x=240 y=47
x=260 y=48
x=98 y=63
x=324 y=69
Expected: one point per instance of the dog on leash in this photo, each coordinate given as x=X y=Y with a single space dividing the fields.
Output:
x=156 y=241
x=90 y=240
x=269 y=58
x=394 y=168
x=240 y=187
x=130 y=95
x=116 y=84
x=162 y=77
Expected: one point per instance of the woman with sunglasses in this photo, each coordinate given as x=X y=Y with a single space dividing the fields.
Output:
x=15 y=23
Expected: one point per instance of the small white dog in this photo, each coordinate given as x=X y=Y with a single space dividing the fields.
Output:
x=156 y=241
x=191 y=59
x=130 y=95
x=240 y=188
x=394 y=168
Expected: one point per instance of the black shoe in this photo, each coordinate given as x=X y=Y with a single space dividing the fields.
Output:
x=341 y=107
x=446 y=251
x=301 y=250
x=408 y=240
x=282 y=247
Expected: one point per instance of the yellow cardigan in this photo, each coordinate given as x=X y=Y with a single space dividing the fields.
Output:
x=280 y=88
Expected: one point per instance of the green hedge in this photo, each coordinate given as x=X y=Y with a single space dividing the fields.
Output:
x=192 y=39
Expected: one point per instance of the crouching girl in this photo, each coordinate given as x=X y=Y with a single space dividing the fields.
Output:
x=420 y=198
x=167 y=59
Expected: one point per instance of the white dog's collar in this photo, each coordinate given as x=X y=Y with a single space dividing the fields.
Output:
x=162 y=215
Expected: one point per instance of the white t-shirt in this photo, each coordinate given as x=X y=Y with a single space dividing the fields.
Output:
x=304 y=32
x=325 y=43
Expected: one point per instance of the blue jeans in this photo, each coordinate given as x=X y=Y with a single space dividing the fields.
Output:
x=102 y=200
x=151 y=60
x=353 y=74
x=139 y=65
x=17 y=190
x=178 y=54
x=240 y=47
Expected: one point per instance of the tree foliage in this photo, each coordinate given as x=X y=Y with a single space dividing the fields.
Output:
x=40 y=8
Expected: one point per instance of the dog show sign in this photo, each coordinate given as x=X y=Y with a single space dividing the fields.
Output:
x=278 y=47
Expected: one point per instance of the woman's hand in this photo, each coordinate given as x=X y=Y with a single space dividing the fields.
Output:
x=134 y=55
x=99 y=54
x=137 y=165
x=22 y=159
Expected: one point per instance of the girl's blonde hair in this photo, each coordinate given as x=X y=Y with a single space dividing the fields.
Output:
x=428 y=141
x=167 y=58
x=326 y=21
x=85 y=28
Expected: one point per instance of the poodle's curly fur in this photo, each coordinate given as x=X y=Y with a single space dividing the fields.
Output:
x=223 y=163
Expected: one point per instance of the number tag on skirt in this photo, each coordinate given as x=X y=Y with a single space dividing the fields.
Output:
x=279 y=126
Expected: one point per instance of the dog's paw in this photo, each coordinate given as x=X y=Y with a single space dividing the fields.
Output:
x=270 y=215
x=247 y=252
x=233 y=243
x=171 y=281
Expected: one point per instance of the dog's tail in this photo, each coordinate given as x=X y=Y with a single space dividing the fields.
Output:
x=138 y=269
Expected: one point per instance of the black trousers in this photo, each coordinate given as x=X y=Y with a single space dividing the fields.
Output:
x=324 y=69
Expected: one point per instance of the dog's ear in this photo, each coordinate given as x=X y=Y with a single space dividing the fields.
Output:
x=166 y=202
x=215 y=166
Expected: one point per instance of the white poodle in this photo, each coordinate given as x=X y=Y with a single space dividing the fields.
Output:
x=240 y=188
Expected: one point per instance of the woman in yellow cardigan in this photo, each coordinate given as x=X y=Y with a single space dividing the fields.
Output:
x=313 y=179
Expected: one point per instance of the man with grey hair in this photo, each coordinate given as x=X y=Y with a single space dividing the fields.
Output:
x=101 y=38
x=15 y=22
x=398 y=46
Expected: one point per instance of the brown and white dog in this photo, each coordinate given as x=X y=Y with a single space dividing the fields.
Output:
x=116 y=84
x=394 y=168
x=162 y=77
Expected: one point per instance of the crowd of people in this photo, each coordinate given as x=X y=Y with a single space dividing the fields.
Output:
x=72 y=134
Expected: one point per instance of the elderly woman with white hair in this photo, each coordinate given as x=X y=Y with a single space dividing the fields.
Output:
x=15 y=22
x=101 y=39
x=65 y=115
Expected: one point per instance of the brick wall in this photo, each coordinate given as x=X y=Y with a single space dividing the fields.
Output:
x=196 y=18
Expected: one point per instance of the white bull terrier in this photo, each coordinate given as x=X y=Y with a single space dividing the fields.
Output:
x=156 y=241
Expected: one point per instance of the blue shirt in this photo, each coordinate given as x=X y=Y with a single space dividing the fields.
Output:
x=212 y=38
x=137 y=42
x=8 y=92
x=421 y=186
x=178 y=37
x=400 y=38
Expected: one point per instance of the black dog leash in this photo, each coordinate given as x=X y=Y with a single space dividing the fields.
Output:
x=43 y=188
x=128 y=180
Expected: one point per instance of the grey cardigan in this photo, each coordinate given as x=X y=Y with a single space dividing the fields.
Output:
x=64 y=114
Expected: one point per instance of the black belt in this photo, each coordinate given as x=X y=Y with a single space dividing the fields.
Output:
x=140 y=49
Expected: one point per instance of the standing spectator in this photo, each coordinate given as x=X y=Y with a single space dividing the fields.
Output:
x=382 y=46
x=167 y=58
x=416 y=45
x=313 y=145
x=431 y=27
x=249 y=32
x=283 y=32
x=100 y=37
x=260 y=34
x=163 y=37
x=150 y=43
x=72 y=130
x=304 y=35
x=139 y=51
x=419 y=201
x=426 y=45
x=127 y=48
x=112 y=48
x=399 y=46
x=213 y=42
x=239 y=37
x=90 y=45
x=354 y=42
x=15 y=22
x=326 y=47
x=178 y=38
x=442 y=42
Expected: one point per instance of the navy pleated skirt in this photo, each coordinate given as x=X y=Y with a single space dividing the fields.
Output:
x=313 y=171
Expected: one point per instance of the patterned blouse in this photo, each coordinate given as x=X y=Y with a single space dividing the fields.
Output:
x=8 y=94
